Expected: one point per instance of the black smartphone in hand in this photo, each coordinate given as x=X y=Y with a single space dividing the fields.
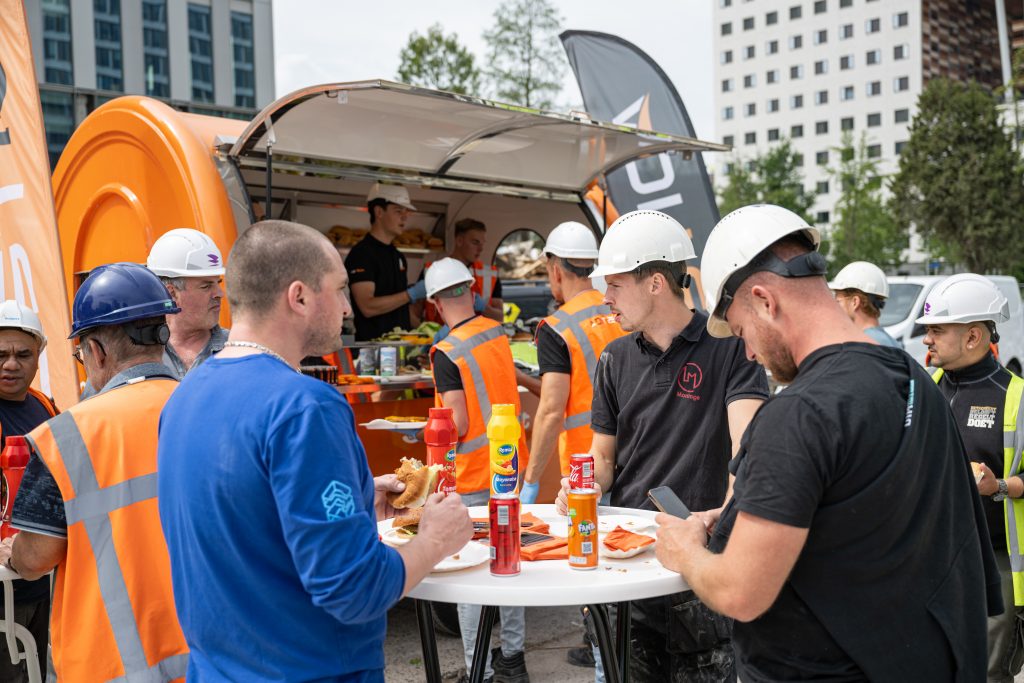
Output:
x=668 y=502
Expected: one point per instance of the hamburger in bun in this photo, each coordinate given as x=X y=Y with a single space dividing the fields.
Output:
x=408 y=520
x=420 y=481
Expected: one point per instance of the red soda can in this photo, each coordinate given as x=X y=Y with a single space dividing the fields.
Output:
x=505 y=541
x=441 y=437
x=13 y=462
x=581 y=472
x=582 y=529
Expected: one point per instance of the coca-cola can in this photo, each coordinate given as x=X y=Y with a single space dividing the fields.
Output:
x=505 y=542
x=581 y=472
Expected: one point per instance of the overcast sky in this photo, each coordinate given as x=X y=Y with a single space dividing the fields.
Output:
x=323 y=41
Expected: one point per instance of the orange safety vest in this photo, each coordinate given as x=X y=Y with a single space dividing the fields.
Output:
x=485 y=279
x=47 y=402
x=113 y=614
x=586 y=325
x=481 y=352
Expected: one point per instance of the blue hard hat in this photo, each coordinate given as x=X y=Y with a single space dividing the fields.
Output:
x=119 y=293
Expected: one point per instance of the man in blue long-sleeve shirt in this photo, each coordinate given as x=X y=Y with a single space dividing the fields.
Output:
x=267 y=502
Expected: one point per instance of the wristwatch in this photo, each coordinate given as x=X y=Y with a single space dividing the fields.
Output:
x=999 y=495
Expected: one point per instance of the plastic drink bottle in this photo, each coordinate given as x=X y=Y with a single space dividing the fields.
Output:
x=503 y=432
x=441 y=437
x=13 y=462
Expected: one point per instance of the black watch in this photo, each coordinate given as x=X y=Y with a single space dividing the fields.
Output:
x=1000 y=495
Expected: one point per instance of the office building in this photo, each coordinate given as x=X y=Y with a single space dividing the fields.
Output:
x=205 y=56
x=809 y=70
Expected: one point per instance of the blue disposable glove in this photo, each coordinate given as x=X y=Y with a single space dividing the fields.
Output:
x=418 y=291
x=528 y=494
x=442 y=333
x=478 y=304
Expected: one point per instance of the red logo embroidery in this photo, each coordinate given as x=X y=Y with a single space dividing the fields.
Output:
x=690 y=377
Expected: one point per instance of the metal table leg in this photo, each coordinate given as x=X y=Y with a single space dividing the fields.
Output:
x=488 y=613
x=425 y=621
x=602 y=629
x=622 y=638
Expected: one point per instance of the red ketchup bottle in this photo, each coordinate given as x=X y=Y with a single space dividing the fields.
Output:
x=13 y=462
x=441 y=437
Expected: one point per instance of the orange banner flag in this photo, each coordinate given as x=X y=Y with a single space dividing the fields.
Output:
x=30 y=261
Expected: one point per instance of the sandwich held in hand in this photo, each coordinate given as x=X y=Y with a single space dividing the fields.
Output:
x=420 y=481
x=978 y=472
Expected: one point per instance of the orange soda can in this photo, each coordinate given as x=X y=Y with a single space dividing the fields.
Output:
x=583 y=529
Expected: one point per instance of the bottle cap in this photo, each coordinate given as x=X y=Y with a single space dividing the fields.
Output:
x=503 y=409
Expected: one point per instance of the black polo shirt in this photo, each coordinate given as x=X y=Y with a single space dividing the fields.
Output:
x=552 y=352
x=977 y=396
x=667 y=412
x=382 y=264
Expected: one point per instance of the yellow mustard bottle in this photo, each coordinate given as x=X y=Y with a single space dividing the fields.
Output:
x=503 y=432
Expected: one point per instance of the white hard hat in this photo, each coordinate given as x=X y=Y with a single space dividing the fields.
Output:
x=184 y=252
x=964 y=298
x=572 y=240
x=15 y=316
x=447 y=272
x=396 y=194
x=735 y=242
x=640 y=237
x=862 y=276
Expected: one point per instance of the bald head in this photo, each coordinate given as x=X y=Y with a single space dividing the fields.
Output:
x=268 y=258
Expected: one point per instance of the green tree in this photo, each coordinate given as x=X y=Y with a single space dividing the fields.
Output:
x=525 y=56
x=863 y=228
x=960 y=180
x=770 y=178
x=438 y=61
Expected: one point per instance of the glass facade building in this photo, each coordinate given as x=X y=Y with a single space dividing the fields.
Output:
x=107 y=22
x=200 y=47
x=154 y=48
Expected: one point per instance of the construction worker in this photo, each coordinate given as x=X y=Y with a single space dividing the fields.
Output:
x=190 y=265
x=852 y=546
x=380 y=287
x=569 y=342
x=960 y=318
x=266 y=498
x=473 y=370
x=87 y=502
x=670 y=405
x=861 y=290
x=22 y=409
x=470 y=236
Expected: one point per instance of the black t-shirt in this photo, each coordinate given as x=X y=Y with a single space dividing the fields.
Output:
x=668 y=413
x=811 y=454
x=552 y=351
x=382 y=264
x=977 y=397
x=18 y=418
x=446 y=374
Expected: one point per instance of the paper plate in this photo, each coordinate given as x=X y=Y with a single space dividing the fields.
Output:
x=634 y=523
x=393 y=426
x=605 y=551
x=393 y=538
x=471 y=555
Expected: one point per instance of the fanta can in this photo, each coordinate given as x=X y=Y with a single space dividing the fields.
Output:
x=441 y=437
x=583 y=534
x=503 y=432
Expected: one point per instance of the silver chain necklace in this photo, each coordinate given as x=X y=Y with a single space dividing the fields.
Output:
x=262 y=349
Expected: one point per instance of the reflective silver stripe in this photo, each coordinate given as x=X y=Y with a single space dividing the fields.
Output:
x=463 y=348
x=175 y=666
x=106 y=500
x=1016 y=561
x=489 y=275
x=1009 y=439
x=113 y=589
x=577 y=420
x=572 y=323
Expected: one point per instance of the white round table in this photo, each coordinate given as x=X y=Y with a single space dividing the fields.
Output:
x=548 y=583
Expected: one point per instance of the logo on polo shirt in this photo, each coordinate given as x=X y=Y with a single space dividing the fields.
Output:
x=689 y=379
x=983 y=417
x=338 y=501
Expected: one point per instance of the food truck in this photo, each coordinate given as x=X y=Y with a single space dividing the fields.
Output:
x=136 y=168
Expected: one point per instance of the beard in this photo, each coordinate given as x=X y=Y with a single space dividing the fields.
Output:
x=322 y=339
x=774 y=355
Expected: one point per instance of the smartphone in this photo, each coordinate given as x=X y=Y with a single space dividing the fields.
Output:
x=668 y=502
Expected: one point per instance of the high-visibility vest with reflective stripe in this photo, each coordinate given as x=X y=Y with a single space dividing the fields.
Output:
x=485 y=279
x=47 y=402
x=586 y=325
x=1013 y=446
x=480 y=350
x=113 y=615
